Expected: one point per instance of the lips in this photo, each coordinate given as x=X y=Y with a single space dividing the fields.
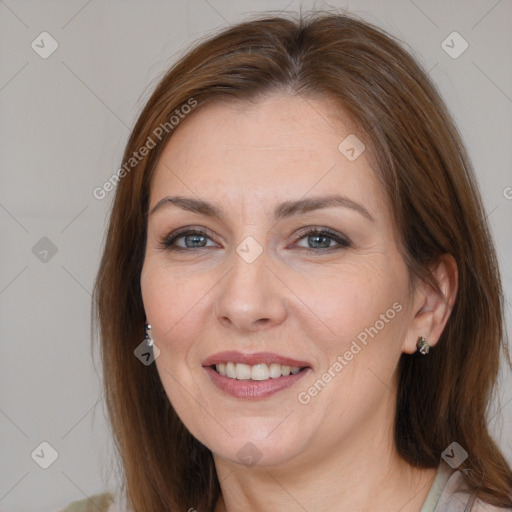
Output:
x=254 y=359
x=254 y=376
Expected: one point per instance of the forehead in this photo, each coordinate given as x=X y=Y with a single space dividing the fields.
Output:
x=282 y=147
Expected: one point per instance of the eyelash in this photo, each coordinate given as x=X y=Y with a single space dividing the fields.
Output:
x=168 y=242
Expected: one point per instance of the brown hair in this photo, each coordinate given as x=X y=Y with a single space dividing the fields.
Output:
x=423 y=165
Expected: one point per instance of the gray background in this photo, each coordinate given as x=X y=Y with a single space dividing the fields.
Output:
x=64 y=121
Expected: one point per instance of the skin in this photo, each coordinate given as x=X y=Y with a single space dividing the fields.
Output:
x=337 y=451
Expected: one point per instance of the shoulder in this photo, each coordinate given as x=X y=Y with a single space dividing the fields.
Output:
x=97 y=503
x=449 y=493
x=456 y=497
x=480 y=506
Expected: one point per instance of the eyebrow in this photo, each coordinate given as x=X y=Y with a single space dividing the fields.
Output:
x=282 y=211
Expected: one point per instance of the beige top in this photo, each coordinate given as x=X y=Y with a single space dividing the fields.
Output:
x=447 y=494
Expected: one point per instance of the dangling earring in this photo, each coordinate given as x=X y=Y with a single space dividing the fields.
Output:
x=422 y=345
x=147 y=335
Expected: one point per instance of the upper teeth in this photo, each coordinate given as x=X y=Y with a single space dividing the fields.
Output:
x=256 y=372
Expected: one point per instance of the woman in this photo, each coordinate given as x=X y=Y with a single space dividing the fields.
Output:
x=298 y=237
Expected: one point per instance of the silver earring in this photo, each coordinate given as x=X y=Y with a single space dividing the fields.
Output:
x=147 y=335
x=422 y=345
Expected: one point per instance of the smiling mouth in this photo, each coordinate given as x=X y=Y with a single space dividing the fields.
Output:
x=257 y=372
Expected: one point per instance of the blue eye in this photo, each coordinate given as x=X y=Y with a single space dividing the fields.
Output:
x=318 y=240
x=193 y=239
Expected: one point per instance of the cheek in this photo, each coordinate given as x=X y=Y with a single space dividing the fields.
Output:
x=352 y=297
x=174 y=306
x=367 y=312
x=172 y=300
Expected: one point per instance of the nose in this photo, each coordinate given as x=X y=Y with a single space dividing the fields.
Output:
x=251 y=297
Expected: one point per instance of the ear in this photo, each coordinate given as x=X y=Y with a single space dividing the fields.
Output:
x=431 y=310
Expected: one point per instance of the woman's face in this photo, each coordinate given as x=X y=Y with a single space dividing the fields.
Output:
x=276 y=277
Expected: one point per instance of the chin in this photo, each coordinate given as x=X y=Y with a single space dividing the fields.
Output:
x=256 y=443
x=256 y=453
